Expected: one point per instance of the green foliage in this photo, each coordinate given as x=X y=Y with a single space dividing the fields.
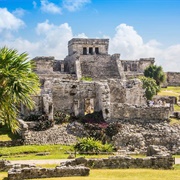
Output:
x=155 y=72
x=32 y=117
x=17 y=83
x=86 y=78
x=86 y=145
x=43 y=123
x=112 y=129
x=60 y=117
x=150 y=87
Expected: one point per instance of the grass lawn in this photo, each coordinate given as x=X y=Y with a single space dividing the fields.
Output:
x=170 y=91
x=6 y=135
x=123 y=174
x=30 y=152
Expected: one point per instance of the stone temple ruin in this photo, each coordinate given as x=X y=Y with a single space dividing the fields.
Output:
x=114 y=89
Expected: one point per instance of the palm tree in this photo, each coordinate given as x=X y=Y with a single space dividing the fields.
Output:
x=155 y=72
x=17 y=83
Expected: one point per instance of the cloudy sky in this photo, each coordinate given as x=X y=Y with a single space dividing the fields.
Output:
x=136 y=28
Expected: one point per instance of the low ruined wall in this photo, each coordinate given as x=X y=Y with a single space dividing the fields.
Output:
x=5 y=165
x=125 y=162
x=18 y=173
x=54 y=135
x=173 y=78
x=129 y=112
x=11 y=143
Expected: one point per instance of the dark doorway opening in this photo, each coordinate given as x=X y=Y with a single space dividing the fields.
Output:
x=84 y=51
x=97 y=50
x=90 y=50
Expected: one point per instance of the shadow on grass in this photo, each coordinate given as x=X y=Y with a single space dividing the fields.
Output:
x=6 y=178
x=5 y=131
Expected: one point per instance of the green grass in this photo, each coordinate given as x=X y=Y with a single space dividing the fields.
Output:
x=174 y=121
x=176 y=107
x=123 y=174
x=30 y=151
x=126 y=174
x=6 y=135
x=170 y=91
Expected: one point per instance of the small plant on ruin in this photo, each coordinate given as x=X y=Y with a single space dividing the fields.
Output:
x=90 y=145
x=112 y=129
x=61 y=117
x=43 y=123
x=85 y=78
x=32 y=117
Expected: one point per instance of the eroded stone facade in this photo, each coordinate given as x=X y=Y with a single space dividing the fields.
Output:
x=109 y=91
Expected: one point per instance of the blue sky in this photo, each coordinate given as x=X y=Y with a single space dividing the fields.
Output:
x=136 y=28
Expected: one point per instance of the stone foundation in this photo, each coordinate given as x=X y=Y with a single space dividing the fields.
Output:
x=18 y=173
x=11 y=143
x=142 y=113
x=125 y=162
x=5 y=165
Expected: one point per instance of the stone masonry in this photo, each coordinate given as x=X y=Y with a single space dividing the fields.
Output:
x=124 y=162
x=109 y=91
x=32 y=172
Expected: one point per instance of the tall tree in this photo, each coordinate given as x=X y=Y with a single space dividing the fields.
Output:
x=155 y=72
x=150 y=86
x=17 y=83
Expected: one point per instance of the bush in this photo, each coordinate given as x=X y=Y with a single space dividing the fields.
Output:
x=90 y=145
x=86 y=78
x=60 y=117
x=112 y=129
x=150 y=86
x=44 y=123
x=95 y=117
x=32 y=117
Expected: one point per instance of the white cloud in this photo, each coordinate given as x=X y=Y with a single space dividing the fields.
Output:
x=55 y=38
x=74 y=5
x=50 y=7
x=19 y=12
x=34 y=4
x=8 y=21
x=53 y=41
x=131 y=46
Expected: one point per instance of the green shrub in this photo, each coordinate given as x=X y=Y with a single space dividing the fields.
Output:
x=60 y=117
x=90 y=145
x=112 y=129
x=86 y=78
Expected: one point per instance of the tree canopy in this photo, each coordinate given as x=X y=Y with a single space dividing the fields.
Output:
x=155 y=72
x=150 y=86
x=17 y=83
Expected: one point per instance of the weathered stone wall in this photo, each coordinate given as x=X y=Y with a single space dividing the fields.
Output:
x=99 y=66
x=11 y=143
x=44 y=64
x=124 y=162
x=136 y=136
x=129 y=92
x=173 y=78
x=5 y=165
x=76 y=45
x=134 y=67
x=31 y=172
x=69 y=96
x=54 y=135
x=130 y=112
